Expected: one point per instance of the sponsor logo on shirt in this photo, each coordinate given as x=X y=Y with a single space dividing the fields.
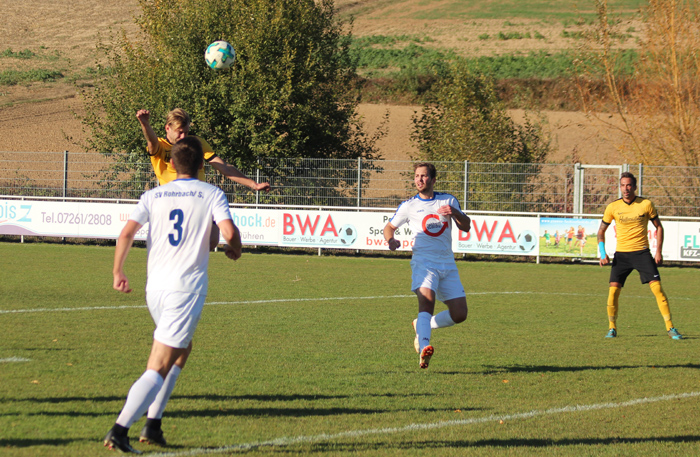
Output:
x=432 y=225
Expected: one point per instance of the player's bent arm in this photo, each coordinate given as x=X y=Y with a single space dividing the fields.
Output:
x=151 y=138
x=235 y=175
x=658 y=257
x=233 y=237
x=124 y=243
x=462 y=221
x=389 y=230
x=604 y=259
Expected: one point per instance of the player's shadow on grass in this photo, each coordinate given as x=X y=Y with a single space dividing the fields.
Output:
x=556 y=369
x=293 y=412
x=293 y=397
x=28 y=442
x=524 y=443
x=63 y=399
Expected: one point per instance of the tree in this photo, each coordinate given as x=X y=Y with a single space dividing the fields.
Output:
x=466 y=121
x=657 y=109
x=290 y=92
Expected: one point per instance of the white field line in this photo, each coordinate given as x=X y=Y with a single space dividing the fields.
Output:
x=296 y=300
x=288 y=441
x=15 y=359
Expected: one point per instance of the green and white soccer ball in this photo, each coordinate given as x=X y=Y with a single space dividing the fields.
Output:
x=220 y=55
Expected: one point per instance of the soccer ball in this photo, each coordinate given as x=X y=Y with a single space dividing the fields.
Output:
x=527 y=241
x=348 y=234
x=219 y=55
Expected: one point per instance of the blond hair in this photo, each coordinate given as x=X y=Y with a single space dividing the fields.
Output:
x=178 y=118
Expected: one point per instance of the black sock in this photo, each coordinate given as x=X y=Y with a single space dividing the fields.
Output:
x=119 y=430
x=153 y=423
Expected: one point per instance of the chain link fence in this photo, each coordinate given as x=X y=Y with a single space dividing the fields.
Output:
x=502 y=187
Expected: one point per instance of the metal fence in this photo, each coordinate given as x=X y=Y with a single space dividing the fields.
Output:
x=544 y=188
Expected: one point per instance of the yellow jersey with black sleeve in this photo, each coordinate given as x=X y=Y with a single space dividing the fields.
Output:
x=165 y=172
x=631 y=223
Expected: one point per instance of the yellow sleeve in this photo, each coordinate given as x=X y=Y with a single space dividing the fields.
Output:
x=652 y=211
x=608 y=215
x=207 y=149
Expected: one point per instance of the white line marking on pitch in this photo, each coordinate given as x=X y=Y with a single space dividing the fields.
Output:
x=294 y=300
x=15 y=359
x=287 y=441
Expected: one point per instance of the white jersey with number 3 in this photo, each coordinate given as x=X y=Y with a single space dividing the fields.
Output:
x=432 y=232
x=180 y=217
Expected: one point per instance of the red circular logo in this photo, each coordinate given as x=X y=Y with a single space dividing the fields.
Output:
x=433 y=228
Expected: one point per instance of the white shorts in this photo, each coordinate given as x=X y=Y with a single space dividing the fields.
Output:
x=176 y=315
x=444 y=282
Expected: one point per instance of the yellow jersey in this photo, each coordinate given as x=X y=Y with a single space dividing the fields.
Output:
x=631 y=223
x=165 y=172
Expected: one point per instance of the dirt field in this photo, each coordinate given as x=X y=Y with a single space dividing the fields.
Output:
x=38 y=117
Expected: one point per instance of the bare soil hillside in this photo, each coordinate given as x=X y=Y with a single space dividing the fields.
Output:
x=38 y=117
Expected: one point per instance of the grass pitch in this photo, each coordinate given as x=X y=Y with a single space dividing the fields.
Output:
x=307 y=355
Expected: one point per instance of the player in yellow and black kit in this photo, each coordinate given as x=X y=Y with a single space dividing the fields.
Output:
x=632 y=215
x=177 y=126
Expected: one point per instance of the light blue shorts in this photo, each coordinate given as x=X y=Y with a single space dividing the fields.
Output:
x=442 y=279
x=176 y=315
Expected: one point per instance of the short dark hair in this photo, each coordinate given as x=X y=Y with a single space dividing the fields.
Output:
x=432 y=172
x=187 y=156
x=627 y=174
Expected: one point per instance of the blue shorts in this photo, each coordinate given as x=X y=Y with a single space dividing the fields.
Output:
x=443 y=279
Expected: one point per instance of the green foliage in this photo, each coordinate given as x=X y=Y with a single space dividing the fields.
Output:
x=412 y=58
x=289 y=93
x=24 y=54
x=467 y=121
x=14 y=77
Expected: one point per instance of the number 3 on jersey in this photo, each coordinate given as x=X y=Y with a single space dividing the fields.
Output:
x=178 y=216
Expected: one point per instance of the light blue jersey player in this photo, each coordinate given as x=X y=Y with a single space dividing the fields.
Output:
x=430 y=215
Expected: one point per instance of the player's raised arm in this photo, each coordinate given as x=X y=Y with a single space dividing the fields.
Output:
x=144 y=117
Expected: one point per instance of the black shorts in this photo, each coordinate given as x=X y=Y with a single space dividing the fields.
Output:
x=624 y=262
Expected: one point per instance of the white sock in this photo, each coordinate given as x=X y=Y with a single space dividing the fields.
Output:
x=155 y=411
x=441 y=320
x=423 y=329
x=140 y=397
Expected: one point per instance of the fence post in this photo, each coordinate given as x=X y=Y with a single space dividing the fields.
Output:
x=359 y=181
x=65 y=174
x=640 y=179
x=578 y=185
x=466 y=185
x=257 y=180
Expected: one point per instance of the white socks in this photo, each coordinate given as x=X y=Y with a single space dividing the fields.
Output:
x=155 y=411
x=140 y=397
x=442 y=319
x=425 y=323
